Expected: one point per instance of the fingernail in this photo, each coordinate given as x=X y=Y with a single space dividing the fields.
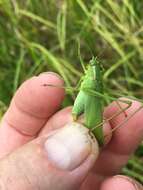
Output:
x=70 y=146
x=51 y=73
x=129 y=182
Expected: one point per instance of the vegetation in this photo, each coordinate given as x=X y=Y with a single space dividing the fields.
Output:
x=38 y=36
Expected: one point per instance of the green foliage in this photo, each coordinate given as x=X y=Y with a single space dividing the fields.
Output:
x=38 y=36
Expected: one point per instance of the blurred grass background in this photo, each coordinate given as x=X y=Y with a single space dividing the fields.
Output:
x=38 y=36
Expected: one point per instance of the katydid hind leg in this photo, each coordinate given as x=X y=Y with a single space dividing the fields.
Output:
x=125 y=121
x=120 y=107
x=122 y=123
x=111 y=117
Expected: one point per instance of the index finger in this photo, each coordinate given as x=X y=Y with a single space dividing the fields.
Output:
x=29 y=110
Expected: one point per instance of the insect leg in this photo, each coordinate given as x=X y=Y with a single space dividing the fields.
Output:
x=119 y=105
x=125 y=121
x=57 y=86
x=110 y=118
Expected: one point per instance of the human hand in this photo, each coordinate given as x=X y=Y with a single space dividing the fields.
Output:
x=31 y=126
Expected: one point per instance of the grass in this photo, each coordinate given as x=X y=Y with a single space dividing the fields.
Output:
x=38 y=36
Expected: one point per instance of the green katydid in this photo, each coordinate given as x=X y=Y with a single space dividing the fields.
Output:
x=91 y=106
x=90 y=101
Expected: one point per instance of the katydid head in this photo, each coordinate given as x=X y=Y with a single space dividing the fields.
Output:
x=95 y=69
x=94 y=62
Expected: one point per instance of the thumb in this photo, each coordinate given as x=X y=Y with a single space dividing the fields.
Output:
x=57 y=161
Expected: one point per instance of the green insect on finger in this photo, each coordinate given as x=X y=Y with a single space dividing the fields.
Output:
x=91 y=106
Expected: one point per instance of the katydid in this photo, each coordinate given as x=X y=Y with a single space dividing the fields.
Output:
x=91 y=106
x=90 y=101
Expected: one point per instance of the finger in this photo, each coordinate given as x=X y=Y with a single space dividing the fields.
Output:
x=131 y=132
x=121 y=182
x=58 y=120
x=29 y=110
x=63 y=117
x=124 y=140
x=123 y=143
x=53 y=161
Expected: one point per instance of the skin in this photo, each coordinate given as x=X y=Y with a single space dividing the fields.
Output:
x=28 y=122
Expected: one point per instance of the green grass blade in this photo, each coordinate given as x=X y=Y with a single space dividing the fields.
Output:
x=61 y=25
x=41 y=20
x=18 y=70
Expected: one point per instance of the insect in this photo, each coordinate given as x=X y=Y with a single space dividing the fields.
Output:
x=91 y=106
x=90 y=101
